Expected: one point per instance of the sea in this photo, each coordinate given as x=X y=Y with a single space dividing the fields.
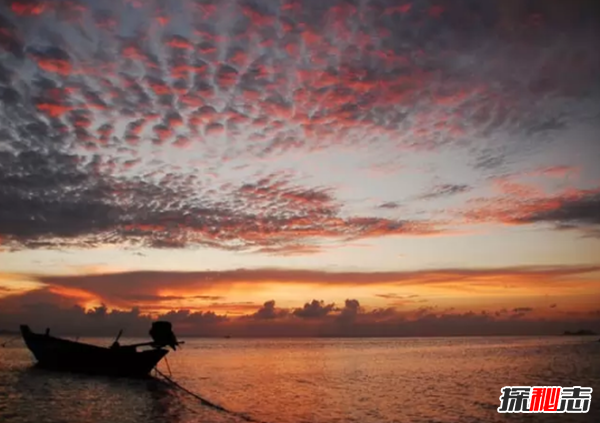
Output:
x=375 y=380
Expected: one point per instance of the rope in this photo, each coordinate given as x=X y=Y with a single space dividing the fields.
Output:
x=168 y=367
x=203 y=401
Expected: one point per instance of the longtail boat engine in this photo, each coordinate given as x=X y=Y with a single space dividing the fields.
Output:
x=162 y=334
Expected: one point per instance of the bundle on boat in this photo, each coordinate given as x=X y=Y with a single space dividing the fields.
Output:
x=117 y=360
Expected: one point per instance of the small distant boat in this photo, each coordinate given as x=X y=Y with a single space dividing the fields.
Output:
x=117 y=360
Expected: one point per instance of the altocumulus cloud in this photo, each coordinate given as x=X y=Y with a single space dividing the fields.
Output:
x=134 y=131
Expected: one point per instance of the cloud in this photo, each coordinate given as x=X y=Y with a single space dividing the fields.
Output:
x=445 y=190
x=10 y=39
x=269 y=311
x=209 y=126
x=524 y=203
x=27 y=7
x=396 y=300
x=350 y=311
x=53 y=200
x=389 y=205
x=146 y=289
x=489 y=159
x=291 y=250
x=162 y=298
x=53 y=60
x=579 y=210
x=389 y=296
x=275 y=81
x=314 y=310
x=557 y=171
x=185 y=318
x=41 y=309
x=37 y=190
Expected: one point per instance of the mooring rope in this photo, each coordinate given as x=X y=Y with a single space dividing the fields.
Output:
x=203 y=401
x=168 y=367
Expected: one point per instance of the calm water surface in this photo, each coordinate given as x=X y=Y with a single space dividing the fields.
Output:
x=312 y=380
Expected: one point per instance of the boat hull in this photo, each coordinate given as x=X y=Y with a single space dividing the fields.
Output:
x=64 y=355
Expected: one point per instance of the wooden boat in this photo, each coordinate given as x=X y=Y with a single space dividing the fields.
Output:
x=117 y=360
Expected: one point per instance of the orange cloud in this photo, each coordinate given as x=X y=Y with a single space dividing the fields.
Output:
x=178 y=42
x=520 y=203
x=160 y=290
x=15 y=284
x=53 y=110
x=62 y=67
x=557 y=171
x=29 y=8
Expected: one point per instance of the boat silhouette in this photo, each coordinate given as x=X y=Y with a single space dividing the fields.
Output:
x=117 y=360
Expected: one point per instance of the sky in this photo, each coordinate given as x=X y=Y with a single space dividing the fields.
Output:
x=300 y=168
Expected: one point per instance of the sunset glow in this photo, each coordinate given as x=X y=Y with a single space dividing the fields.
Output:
x=271 y=169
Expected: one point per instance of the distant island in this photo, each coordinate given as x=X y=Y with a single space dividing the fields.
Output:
x=8 y=332
x=581 y=332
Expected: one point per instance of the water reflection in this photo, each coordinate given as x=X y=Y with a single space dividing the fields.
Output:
x=317 y=381
x=40 y=395
x=30 y=394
